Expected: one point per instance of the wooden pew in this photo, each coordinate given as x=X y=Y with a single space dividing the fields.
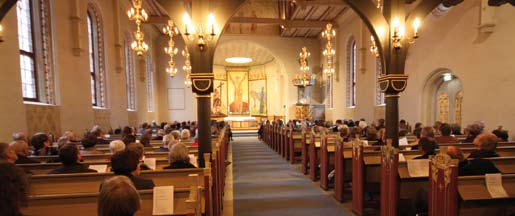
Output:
x=315 y=154
x=476 y=199
x=308 y=137
x=105 y=157
x=44 y=168
x=186 y=202
x=327 y=160
x=295 y=146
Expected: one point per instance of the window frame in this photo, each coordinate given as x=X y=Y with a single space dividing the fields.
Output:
x=150 y=84
x=97 y=58
x=92 y=59
x=33 y=55
x=351 y=75
x=130 y=76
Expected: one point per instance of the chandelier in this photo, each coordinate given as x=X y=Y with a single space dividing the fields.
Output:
x=171 y=50
x=303 y=79
x=138 y=14
x=187 y=68
x=329 y=52
x=1 y=33
x=200 y=32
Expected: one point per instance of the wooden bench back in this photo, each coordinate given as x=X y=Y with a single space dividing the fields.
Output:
x=90 y=182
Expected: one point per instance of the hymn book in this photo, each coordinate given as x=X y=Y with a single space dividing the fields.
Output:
x=163 y=200
x=150 y=162
x=418 y=168
x=101 y=168
x=494 y=185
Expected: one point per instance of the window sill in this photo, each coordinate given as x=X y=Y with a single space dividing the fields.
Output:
x=37 y=103
x=99 y=108
x=351 y=107
x=131 y=110
x=381 y=105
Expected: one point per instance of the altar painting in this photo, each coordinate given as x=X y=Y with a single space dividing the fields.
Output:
x=258 y=97
x=219 y=98
x=238 y=93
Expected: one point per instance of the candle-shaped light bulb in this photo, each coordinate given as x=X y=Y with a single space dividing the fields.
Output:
x=211 y=23
x=416 y=25
x=187 y=21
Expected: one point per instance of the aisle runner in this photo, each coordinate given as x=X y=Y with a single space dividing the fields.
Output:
x=264 y=184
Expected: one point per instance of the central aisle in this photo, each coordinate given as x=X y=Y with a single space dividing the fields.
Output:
x=265 y=184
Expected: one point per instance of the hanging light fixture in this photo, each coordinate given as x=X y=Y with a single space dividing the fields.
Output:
x=171 y=50
x=303 y=79
x=329 y=52
x=187 y=68
x=201 y=33
x=138 y=14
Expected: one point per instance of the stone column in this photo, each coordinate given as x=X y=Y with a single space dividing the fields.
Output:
x=392 y=85
x=202 y=86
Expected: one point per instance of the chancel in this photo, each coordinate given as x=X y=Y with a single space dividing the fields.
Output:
x=257 y=107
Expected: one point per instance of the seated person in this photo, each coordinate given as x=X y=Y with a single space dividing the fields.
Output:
x=21 y=148
x=70 y=157
x=160 y=135
x=471 y=132
x=140 y=150
x=20 y=136
x=179 y=157
x=99 y=134
x=456 y=153
x=168 y=142
x=7 y=153
x=116 y=146
x=14 y=188
x=146 y=136
x=176 y=135
x=88 y=142
x=41 y=144
x=118 y=196
x=427 y=147
x=445 y=131
x=486 y=144
x=501 y=134
x=127 y=163
x=185 y=135
x=127 y=139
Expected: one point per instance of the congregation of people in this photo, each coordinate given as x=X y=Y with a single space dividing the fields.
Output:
x=118 y=194
x=427 y=139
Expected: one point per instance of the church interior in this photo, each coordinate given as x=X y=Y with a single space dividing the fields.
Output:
x=272 y=107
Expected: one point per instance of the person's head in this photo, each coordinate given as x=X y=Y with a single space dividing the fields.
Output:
x=39 y=141
x=127 y=131
x=417 y=132
x=501 y=134
x=118 y=196
x=167 y=139
x=19 y=136
x=402 y=123
x=437 y=125
x=63 y=140
x=97 y=131
x=138 y=148
x=129 y=138
x=427 y=145
x=14 y=189
x=176 y=134
x=344 y=130
x=362 y=124
x=125 y=163
x=486 y=141
x=418 y=125
x=339 y=122
x=372 y=134
x=445 y=129
x=89 y=140
x=179 y=152
x=427 y=132
x=20 y=147
x=455 y=153
x=116 y=146
x=353 y=132
x=146 y=137
x=161 y=132
x=71 y=136
x=7 y=153
x=185 y=135
x=473 y=130
x=69 y=154
x=456 y=129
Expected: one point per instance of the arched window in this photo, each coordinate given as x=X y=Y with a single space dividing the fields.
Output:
x=130 y=77
x=380 y=99
x=150 y=83
x=351 y=72
x=35 y=43
x=96 y=56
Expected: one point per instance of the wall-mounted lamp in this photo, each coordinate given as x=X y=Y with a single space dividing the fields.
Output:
x=373 y=47
x=171 y=50
x=138 y=14
x=398 y=32
x=200 y=33
x=1 y=33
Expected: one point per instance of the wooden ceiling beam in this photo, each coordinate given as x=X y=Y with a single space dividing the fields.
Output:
x=320 y=3
x=286 y=23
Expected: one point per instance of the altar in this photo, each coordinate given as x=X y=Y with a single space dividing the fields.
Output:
x=242 y=122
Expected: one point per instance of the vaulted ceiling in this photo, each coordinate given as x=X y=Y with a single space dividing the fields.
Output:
x=258 y=54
